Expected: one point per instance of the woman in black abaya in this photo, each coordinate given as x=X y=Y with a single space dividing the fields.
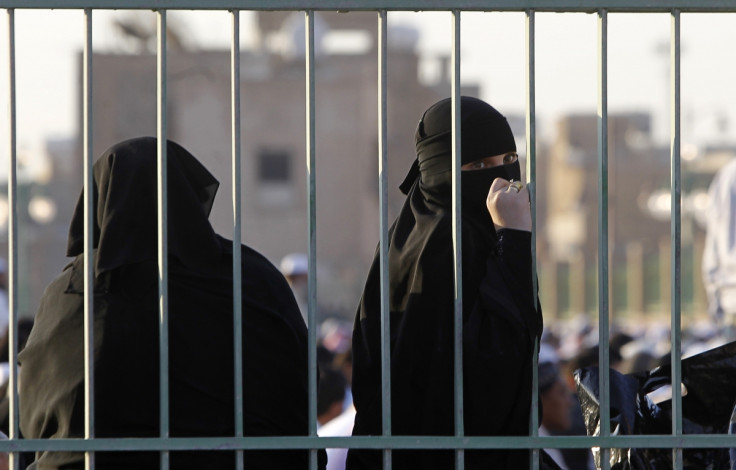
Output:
x=126 y=357
x=500 y=314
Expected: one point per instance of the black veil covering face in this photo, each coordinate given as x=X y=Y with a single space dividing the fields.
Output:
x=499 y=308
x=200 y=286
x=485 y=133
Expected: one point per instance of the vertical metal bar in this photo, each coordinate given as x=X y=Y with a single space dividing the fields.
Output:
x=162 y=207
x=457 y=236
x=312 y=230
x=237 y=270
x=12 y=242
x=383 y=226
x=531 y=176
x=603 y=306
x=89 y=214
x=675 y=239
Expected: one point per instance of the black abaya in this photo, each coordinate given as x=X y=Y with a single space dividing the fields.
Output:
x=201 y=354
x=500 y=315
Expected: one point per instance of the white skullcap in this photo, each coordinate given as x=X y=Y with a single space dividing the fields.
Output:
x=294 y=264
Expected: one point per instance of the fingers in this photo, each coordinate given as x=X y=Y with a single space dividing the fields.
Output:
x=499 y=184
x=508 y=204
x=515 y=186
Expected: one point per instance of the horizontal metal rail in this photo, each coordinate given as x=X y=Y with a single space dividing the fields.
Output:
x=570 y=6
x=689 y=441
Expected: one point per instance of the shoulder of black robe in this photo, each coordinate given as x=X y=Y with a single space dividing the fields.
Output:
x=421 y=285
x=200 y=343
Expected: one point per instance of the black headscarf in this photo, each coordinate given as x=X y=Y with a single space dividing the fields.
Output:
x=421 y=303
x=485 y=133
x=126 y=328
x=125 y=222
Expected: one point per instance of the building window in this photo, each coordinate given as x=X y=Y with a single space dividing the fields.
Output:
x=275 y=177
x=274 y=166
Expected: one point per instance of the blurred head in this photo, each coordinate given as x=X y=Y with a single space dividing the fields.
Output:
x=555 y=397
x=554 y=393
x=295 y=268
x=556 y=404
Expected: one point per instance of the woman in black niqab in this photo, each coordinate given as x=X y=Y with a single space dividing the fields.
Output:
x=126 y=331
x=500 y=315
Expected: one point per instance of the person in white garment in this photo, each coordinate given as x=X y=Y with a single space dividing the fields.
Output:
x=719 y=255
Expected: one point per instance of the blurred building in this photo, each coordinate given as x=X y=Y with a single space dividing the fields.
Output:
x=274 y=175
x=639 y=218
x=47 y=187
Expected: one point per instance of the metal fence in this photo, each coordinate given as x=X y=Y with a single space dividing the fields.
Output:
x=676 y=440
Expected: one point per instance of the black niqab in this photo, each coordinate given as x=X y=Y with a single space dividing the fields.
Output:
x=499 y=315
x=126 y=330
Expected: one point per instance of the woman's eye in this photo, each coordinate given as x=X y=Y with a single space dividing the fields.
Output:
x=509 y=159
x=480 y=165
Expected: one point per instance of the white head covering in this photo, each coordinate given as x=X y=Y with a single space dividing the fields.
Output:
x=294 y=264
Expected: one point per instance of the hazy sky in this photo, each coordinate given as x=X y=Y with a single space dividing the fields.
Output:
x=493 y=55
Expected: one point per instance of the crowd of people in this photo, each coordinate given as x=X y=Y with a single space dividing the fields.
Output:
x=502 y=321
x=567 y=345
